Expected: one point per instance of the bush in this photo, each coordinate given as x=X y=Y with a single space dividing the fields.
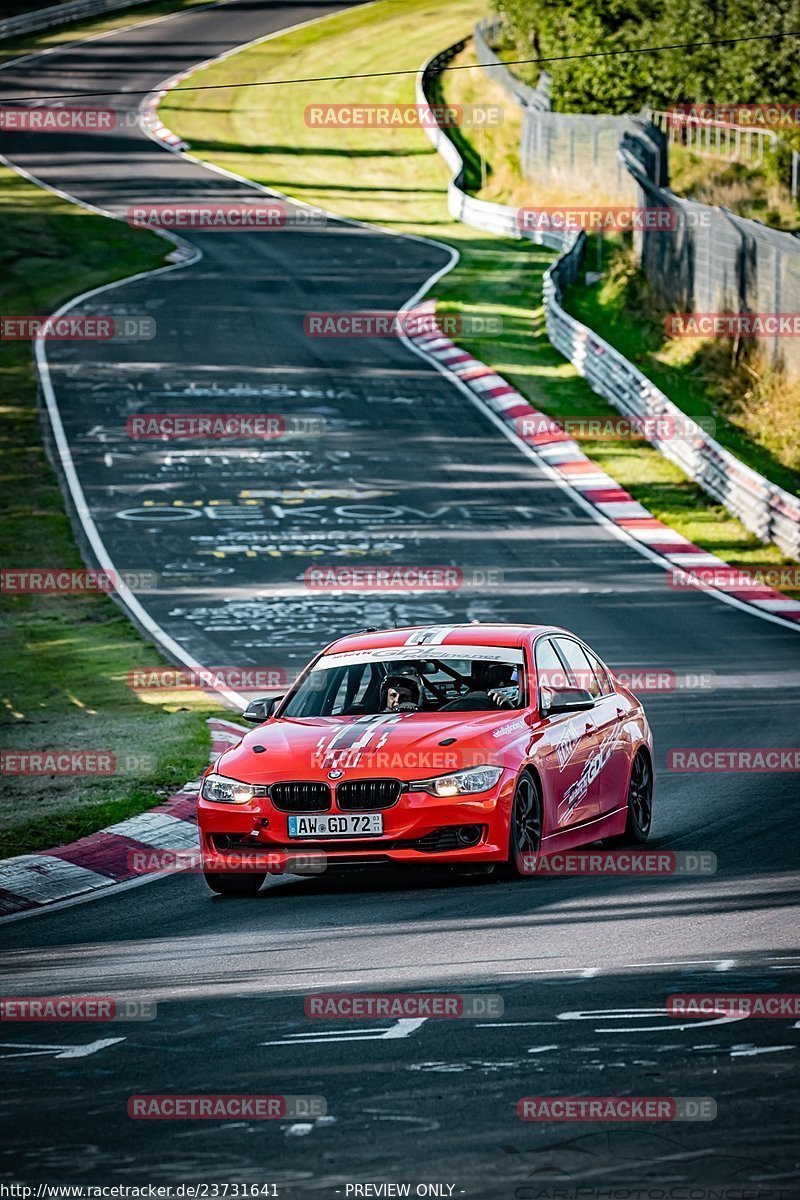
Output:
x=742 y=73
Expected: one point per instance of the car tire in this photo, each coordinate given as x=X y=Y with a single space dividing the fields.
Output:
x=640 y=799
x=231 y=884
x=525 y=829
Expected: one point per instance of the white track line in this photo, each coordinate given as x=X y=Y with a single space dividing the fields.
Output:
x=617 y=531
x=113 y=889
x=192 y=255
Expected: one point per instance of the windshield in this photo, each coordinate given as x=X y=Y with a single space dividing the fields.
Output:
x=466 y=679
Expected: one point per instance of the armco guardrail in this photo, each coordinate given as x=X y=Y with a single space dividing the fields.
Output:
x=60 y=14
x=712 y=260
x=767 y=510
x=482 y=214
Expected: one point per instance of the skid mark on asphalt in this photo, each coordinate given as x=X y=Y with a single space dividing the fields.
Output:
x=418 y=1124
x=748 y=1051
x=26 y=1050
x=440 y=1067
x=400 y=1029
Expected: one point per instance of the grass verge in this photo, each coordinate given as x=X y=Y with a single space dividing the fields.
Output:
x=66 y=658
x=745 y=189
x=400 y=182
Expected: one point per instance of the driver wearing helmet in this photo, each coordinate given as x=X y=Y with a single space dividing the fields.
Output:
x=506 y=692
x=402 y=693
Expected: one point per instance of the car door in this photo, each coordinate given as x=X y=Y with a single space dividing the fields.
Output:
x=612 y=711
x=564 y=748
x=608 y=756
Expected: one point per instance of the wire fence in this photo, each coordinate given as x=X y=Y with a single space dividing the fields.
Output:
x=557 y=147
x=705 y=259
x=767 y=510
x=717 y=139
x=724 y=139
x=525 y=95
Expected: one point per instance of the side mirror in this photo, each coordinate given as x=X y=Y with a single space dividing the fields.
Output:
x=568 y=700
x=261 y=710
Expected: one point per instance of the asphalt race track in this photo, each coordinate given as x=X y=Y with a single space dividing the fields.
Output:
x=407 y=471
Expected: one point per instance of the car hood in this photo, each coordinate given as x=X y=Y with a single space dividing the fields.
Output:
x=400 y=746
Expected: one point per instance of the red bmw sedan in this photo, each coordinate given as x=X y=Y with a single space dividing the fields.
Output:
x=477 y=746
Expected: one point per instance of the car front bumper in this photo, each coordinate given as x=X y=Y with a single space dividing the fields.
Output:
x=419 y=828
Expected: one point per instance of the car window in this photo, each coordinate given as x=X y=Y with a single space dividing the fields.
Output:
x=351 y=689
x=490 y=680
x=551 y=675
x=606 y=687
x=580 y=668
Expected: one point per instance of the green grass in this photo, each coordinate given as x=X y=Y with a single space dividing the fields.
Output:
x=66 y=659
x=396 y=180
x=389 y=176
x=748 y=190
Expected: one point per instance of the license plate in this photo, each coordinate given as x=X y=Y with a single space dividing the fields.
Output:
x=363 y=825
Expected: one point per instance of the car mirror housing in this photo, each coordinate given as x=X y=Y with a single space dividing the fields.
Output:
x=568 y=700
x=261 y=710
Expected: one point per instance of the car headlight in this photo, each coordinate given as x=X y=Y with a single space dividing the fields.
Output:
x=461 y=783
x=222 y=790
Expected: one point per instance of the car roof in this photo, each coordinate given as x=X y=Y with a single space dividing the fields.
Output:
x=428 y=636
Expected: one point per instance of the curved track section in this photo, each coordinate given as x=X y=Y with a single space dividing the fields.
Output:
x=407 y=472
